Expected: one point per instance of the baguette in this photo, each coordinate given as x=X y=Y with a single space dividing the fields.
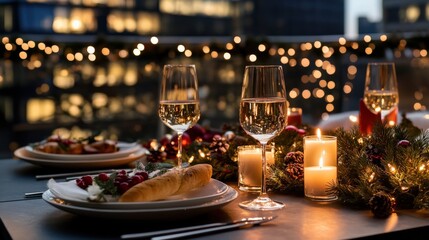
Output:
x=174 y=182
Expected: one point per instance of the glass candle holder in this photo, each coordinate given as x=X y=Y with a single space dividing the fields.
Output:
x=320 y=167
x=294 y=116
x=250 y=166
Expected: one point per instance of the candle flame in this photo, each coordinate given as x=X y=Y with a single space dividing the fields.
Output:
x=321 y=159
x=319 y=134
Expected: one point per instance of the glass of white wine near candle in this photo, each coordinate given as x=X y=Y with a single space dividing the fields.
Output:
x=381 y=90
x=320 y=166
x=250 y=166
x=263 y=115
x=179 y=105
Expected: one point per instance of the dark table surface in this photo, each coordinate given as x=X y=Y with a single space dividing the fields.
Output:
x=23 y=218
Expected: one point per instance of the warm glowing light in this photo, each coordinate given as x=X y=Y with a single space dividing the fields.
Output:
x=317 y=44
x=90 y=49
x=92 y=57
x=262 y=48
x=352 y=69
x=368 y=50
x=305 y=62
x=55 y=48
x=367 y=38
x=70 y=57
x=140 y=46
x=330 y=98
x=291 y=52
x=5 y=40
x=136 y=52
x=123 y=53
x=214 y=54
x=331 y=84
x=319 y=134
x=330 y=107
x=41 y=46
x=227 y=56
x=423 y=53
x=391 y=168
x=180 y=48
x=323 y=155
x=23 y=55
x=417 y=106
x=306 y=94
x=229 y=46
x=206 y=49
x=281 y=51
x=78 y=56
x=342 y=41
x=8 y=47
x=292 y=62
x=252 y=58
x=371 y=177
x=19 y=41
x=353 y=118
x=105 y=51
x=383 y=37
x=284 y=60
x=343 y=49
x=294 y=93
x=188 y=53
x=154 y=40
x=237 y=39
x=347 y=88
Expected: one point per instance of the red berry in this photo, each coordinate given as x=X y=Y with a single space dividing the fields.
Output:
x=291 y=128
x=122 y=172
x=103 y=177
x=121 y=178
x=87 y=180
x=123 y=187
x=143 y=174
x=136 y=179
x=81 y=183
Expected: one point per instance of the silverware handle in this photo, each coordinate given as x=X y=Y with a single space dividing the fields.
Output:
x=169 y=231
x=202 y=231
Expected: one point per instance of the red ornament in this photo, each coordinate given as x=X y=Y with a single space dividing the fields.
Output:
x=186 y=140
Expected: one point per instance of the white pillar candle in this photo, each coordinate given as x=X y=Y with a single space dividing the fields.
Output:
x=320 y=166
x=250 y=166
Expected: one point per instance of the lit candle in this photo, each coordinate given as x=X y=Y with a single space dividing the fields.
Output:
x=320 y=166
x=250 y=166
x=294 y=116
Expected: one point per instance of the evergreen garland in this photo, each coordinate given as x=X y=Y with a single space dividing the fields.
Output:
x=392 y=163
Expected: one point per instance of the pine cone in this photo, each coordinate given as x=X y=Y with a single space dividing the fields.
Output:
x=294 y=157
x=295 y=170
x=219 y=145
x=381 y=205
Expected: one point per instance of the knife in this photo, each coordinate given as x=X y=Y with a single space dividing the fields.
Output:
x=200 y=229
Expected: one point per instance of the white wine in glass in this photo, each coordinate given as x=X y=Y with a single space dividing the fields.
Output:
x=179 y=106
x=381 y=90
x=263 y=115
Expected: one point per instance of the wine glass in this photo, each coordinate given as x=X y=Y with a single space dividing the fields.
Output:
x=381 y=90
x=263 y=115
x=179 y=106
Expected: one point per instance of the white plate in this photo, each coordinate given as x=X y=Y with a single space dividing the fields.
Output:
x=125 y=149
x=143 y=214
x=22 y=154
x=211 y=191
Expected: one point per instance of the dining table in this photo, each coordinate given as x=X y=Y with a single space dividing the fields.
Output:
x=301 y=218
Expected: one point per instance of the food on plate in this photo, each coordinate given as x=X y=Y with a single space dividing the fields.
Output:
x=57 y=145
x=175 y=181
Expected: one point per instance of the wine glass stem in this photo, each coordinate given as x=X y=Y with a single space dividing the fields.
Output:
x=179 y=151
x=264 y=170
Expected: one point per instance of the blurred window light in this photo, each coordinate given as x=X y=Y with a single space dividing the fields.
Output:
x=213 y=8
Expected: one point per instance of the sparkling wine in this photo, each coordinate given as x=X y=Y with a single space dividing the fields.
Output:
x=381 y=101
x=179 y=115
x=263 y=118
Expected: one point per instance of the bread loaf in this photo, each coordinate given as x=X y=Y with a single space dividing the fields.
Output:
x=176 y=181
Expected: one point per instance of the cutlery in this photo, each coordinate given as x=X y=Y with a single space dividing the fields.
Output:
x=75 y=174
x=33 y=194
x=200 y=229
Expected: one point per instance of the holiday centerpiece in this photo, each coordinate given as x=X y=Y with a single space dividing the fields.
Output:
x=385 y=171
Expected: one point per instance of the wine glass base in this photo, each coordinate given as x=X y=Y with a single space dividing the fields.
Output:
x=261 y=204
